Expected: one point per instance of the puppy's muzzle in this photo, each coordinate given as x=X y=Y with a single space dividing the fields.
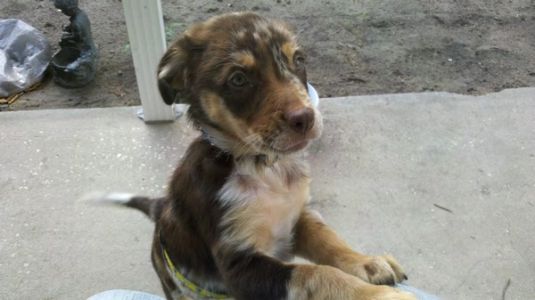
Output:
x=301 y=120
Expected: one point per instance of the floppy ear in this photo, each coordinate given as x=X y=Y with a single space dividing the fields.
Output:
x=174 y=70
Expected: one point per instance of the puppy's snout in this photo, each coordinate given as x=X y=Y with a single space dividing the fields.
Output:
x=301 y=120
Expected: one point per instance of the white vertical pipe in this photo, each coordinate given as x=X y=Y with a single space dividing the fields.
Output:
x=146 y=33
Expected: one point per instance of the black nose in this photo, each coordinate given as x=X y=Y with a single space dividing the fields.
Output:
x=301 y=120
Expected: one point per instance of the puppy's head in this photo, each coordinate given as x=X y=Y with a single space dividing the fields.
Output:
x=245 y=80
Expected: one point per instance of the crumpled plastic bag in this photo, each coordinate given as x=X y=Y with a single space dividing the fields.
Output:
x=24 y=56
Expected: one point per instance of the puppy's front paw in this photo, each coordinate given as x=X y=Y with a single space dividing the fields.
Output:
x=378 y=270
x=319 y=282
x=388 y=293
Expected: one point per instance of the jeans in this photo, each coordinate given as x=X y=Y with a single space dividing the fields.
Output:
x=135 y=295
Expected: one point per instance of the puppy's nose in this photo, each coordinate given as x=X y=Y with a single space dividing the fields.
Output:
x=301 y=120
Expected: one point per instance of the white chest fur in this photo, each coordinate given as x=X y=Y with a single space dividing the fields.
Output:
x=263 y=204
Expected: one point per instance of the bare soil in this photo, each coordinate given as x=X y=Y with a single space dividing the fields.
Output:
x=354 y=46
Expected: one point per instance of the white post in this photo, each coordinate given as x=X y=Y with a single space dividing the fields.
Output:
x=147 y=42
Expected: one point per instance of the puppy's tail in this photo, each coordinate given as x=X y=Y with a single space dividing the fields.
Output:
x=151 y=207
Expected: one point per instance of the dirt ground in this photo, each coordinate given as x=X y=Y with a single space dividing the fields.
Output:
x=354 y=46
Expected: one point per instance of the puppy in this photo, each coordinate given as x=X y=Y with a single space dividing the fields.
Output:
x=236 y=211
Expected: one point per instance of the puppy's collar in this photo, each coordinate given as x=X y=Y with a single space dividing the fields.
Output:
x=259 y=159
x=210 y=139
x=192 y=287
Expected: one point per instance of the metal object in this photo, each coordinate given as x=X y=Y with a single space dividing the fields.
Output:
x=74 y=65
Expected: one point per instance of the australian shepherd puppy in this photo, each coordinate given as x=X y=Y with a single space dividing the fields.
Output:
x=236 y=210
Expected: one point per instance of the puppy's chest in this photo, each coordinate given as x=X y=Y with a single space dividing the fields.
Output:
x=263 y=207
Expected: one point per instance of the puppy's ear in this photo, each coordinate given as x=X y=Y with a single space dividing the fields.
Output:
x=175 y=68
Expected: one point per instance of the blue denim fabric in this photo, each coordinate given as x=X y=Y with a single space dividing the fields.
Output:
x=124 y=295
x=135 y=295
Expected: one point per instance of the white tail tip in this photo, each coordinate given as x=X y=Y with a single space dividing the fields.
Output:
x=108 y=198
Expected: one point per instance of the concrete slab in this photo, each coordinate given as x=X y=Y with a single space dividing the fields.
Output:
x=444 y=182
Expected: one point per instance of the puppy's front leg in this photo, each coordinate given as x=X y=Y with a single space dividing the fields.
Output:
x=316 y=241
x=253 y=275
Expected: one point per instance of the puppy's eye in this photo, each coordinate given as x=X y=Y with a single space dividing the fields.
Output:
x=238 y=79
x=299 y=60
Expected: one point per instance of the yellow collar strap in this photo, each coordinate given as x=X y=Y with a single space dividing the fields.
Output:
x=188 y=284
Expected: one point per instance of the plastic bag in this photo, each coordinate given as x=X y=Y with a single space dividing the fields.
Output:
x=24 y=56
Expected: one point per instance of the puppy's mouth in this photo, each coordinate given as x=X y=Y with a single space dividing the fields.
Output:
x=286 y=141
x=291 y=147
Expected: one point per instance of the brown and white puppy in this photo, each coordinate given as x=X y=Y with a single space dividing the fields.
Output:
x=236 y=211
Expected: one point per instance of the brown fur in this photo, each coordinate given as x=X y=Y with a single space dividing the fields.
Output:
x=236 y=210
x=315 y=241
x=324 y=282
